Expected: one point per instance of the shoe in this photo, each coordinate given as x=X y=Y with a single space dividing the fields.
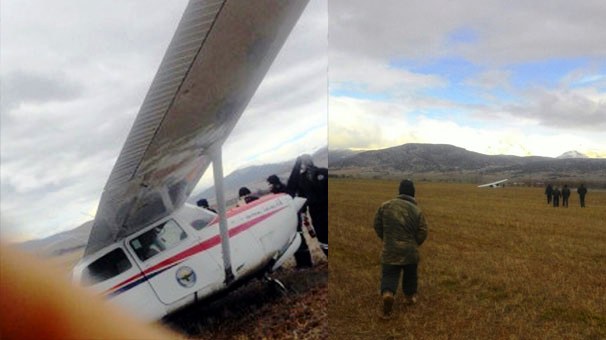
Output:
x=388 y=300
x=411 y=299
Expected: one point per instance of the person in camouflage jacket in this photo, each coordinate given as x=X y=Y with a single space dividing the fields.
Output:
x=401 y=225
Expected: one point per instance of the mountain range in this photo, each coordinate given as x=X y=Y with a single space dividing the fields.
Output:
x=61 y=243
x=448 y=162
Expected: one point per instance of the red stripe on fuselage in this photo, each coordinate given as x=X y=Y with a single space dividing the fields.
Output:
x=200 y=247
x=234 y=211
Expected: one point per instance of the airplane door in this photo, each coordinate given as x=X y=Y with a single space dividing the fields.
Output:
x=247 y=253
x=174 y=262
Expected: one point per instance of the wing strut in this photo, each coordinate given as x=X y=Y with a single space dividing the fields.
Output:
x=219 y=193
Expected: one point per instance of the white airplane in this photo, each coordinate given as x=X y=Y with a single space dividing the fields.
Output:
x=148 y=250
x=497 y=184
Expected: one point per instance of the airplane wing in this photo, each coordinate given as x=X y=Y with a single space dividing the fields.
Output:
x=493 y=184
x=218 y=56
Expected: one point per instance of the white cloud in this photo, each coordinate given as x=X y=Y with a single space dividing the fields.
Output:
x=583 y=109
x=477 y=101
x=362 y=124
x=505 y=31
x=491 y=79
x=368 y=75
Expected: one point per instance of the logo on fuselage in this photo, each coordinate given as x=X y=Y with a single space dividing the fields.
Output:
x=186 y=276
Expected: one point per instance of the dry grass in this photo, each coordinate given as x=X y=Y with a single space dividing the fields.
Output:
x=498 y=264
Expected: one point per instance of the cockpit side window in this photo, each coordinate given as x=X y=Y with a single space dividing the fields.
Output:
x=109 y=265
x=157 y=240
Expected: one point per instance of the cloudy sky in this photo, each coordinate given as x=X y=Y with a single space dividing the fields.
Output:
x=73 y=75
x=497 y=77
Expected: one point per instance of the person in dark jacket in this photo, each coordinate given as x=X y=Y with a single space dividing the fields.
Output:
x=203 y=203
x=556 y=197
x=246 y=196
x=548 y=193
x=401 y=226
x=308 y=181
x=275 y=185
x=582 y=191
x=565 y=195
x=302 y=255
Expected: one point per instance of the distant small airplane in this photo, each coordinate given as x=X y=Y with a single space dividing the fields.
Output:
x=148 y=250
x=497 y=184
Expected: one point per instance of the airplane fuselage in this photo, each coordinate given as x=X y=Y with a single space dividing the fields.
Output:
x=178 y=259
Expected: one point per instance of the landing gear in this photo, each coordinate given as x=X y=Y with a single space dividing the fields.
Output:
x=275 y=285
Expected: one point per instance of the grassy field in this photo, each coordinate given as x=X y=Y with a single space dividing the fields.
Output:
x=498 y=264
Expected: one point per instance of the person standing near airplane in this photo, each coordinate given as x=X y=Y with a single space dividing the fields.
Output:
x=245 y=196
x=275 y=185
x=582 y=191
x=401 y=226
x=565 y=195
x=311 y=182
x=308 y=181
x=556 y=197
x=302 y=255
x=548 y=193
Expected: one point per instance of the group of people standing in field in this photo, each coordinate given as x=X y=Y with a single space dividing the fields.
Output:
x=308 y=181
x=554 y=193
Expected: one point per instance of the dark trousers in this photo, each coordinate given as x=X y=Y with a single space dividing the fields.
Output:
x=319 y=219
x=302 y=255
x=391 y=276
x=548 y=198
x=582 y=198
x=565 y=201
x=556 y=201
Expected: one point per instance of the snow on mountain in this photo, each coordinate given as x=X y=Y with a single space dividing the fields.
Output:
x=572 y=154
